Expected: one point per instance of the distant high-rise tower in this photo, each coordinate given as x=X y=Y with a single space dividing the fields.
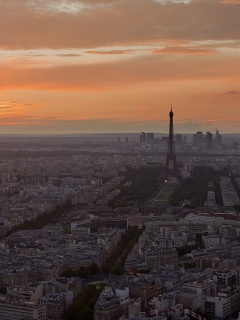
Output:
x=171 y=167
x=150 y=137
x=198 y=140
x=209 y=140
x=178 y=141
x=144 y=137
x=218 y=140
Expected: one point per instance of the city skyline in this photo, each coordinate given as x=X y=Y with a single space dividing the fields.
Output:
x=107 y=66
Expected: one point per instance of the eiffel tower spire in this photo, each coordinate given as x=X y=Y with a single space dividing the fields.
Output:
x=171 y=167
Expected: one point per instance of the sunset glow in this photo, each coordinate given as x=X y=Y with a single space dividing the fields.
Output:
x=89 y=66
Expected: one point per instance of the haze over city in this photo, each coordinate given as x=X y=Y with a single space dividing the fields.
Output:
x=94 y=66
x=119 y=160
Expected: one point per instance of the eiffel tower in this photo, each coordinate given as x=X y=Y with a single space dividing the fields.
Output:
x=171 y=167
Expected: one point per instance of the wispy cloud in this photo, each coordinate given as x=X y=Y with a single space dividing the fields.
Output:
x=184 y=50
x=94 y=24
x=69 y=55
x=233 y=92
x=231 y=1
x=97 y=76
x=8 y=105
x=110 y=52
x=12 y=105
x=58 y=6
x=220 y=120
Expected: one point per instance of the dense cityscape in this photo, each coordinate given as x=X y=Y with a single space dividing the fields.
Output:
x=120 y=227
x=119 y=160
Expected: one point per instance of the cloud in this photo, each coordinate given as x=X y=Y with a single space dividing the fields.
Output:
x=220 y=120
x=69 y=55
x=110 y=52
x=29 y=124
x=8 y=105
x=231 y=1
x=11 y=105
x=184 y=50
x=109 y=23
x=25 y=124
x=233 y=92
x=50 y=119
x=128 y=72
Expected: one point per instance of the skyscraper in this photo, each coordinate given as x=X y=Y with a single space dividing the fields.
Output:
x=198 y=140
x=144 y=137
x=218 y=140
x=178 y=141
x=209 y=141
x=150 y=137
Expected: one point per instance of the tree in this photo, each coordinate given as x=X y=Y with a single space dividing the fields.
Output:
x=85 y=314
x=69 y=273
x=94 y=269
x=195 y=188
x=72 y=312
x=82 y=308
x=83 y=272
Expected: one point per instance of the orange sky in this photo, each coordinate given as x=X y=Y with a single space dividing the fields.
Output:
x=71 y=66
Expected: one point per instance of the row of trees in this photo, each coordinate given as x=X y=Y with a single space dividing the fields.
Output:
x=42 y=220
x=82 y=272
x=195 y=188
x=144 y=183
x=83 y=306
x=115 y=262
x=128 y=245
x=188 y=248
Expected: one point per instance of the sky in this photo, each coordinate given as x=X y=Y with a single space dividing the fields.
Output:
x=96 y=66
